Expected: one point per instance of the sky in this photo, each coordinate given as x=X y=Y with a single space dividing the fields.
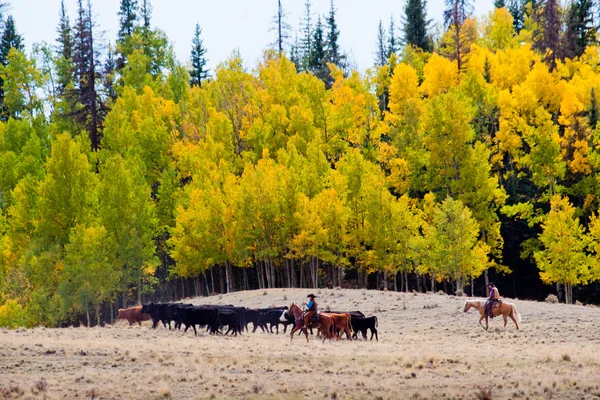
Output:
x=229 y=25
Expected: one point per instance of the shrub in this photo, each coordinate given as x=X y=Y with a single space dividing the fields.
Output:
x=460 y=293
x=552 y=299
x=12 y=315
x=484 y=393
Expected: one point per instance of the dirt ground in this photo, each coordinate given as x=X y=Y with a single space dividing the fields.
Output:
x=427 y=349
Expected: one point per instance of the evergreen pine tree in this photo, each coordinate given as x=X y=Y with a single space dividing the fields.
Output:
x=109 y=74
x=146 y=14
x=86 y=75
x=517 y=10
x=580 y=31
x=416 y=25
x=381 y=54
x=547 y=37
x=296 y=54
x=593 y=110
x=307 y=39
x=65 y=37
x=393 y=43
x=127 y=19
x=456 y=12
x=199 y=71
x=10 y=39
x=487 y=74
x=316 y=63
x=281 y=27
x=334 y=54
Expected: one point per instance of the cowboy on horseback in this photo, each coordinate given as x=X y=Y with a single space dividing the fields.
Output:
x=493 y=299
x=311 y=310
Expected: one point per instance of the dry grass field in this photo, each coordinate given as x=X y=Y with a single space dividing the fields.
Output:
x=427 y=349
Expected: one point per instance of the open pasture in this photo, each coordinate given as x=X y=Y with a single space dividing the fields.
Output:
x=427 y=348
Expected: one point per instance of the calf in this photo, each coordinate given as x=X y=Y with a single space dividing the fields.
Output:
x=342 y=323
x=362 y=324
x=133 y=315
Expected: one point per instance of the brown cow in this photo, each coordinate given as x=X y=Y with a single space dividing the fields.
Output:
x=133 y=315
x=342 y=323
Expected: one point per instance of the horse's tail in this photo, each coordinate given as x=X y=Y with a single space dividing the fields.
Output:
x=376 y=322
x=515 y=312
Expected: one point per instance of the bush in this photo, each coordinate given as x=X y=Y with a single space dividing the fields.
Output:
x=12 y=315
x=460 y=293
x=552 y=299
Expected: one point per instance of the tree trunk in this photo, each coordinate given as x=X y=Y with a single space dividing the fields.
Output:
x=87 y=313
x=206 y=284
x=139 y=299
x=487 y=283
x=227 y=277
x=406 y=280
x=112 y=313
x=246 y=284
x=212 y=279
x=568 y=293
x=98 y=314
x=395 y=281
x=433 y=283
x=316 y=276
x=182 y=288
x=472 y=288
x=560 y=292
x=340 y=276
x=221 y=280
x=419 y=287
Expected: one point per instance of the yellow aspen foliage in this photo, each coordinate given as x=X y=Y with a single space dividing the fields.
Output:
x=497 y=30
x=440 y=75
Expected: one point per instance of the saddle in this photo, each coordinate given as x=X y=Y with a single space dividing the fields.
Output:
x=315 y=318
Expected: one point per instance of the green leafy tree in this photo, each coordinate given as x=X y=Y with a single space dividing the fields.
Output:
x=562 y=258
x=128 y=214
x=454 y=249
x=90 y=276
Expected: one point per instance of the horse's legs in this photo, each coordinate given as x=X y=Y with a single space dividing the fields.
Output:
x=505 y=319
x=306 y=334
x=481 y=319
x=514 y=320
x=292 y=332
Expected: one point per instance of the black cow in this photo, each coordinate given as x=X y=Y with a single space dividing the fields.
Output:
x=231 y=318
x=252 y=315
x=156 y=311
x=192 y=316
x=273 y=318
x=362 y=324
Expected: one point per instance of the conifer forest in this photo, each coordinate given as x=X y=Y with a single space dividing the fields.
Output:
x=467 y=153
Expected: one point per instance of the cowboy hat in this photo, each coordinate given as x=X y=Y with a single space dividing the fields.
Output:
x=311 y=295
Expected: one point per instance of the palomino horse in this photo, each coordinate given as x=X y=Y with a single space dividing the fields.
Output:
x=325 y=323
x=505 y=309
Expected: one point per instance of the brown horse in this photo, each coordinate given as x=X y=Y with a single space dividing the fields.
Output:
x=325 y=323
x=505 y=309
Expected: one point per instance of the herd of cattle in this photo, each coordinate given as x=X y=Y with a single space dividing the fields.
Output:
x=237 y=319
